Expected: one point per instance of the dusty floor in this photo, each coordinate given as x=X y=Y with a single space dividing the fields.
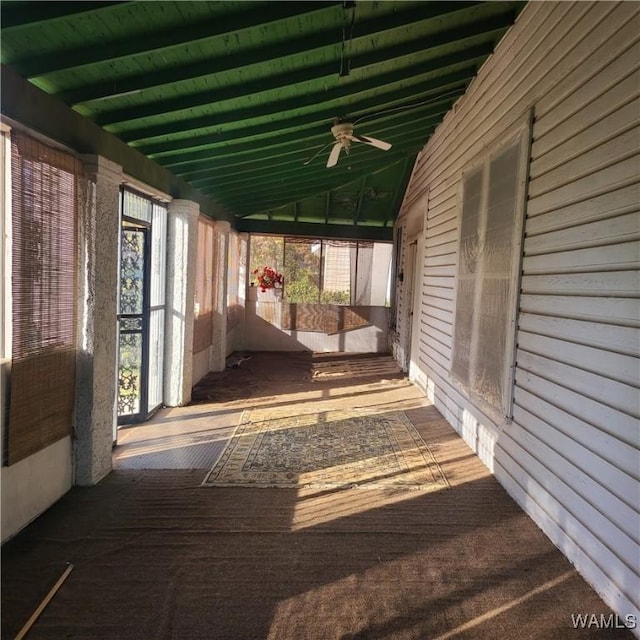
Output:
x=156 y=555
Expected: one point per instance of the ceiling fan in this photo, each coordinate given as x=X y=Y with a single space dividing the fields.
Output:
x=343 y=133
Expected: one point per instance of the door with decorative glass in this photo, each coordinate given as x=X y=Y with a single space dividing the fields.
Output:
x=141 y=306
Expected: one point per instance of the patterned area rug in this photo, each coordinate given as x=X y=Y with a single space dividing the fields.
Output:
x=328 y=450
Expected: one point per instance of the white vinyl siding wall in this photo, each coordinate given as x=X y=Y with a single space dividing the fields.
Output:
x=570 y=457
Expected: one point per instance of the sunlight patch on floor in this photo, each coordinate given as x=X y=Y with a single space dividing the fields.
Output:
x=317 y=506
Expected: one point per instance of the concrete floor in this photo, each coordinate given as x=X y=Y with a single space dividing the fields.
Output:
x=158 y=556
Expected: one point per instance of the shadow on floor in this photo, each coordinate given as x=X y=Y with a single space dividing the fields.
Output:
x=158 y=556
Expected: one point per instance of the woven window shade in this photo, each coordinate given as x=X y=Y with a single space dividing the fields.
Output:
x=324 y=318
x=45 y=191
x=203 y=323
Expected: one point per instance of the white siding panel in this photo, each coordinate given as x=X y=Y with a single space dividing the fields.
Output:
x=607 y=205
x=619 y=175
x=622 y=311
x=539 y=62
x=449 y=248
x=571 y=455
x=618 y=454
x=624 y=284
x=609 y=153
x=599 y=233
x=601 y=361
x=617 y=395
x=439 y=260
x=609 y=420
x=613 y=517
x=519 y=465
x=607 y=66
x=580 y=133
x=438 y=292
x=617 y=339
x=588 y=163
x=604 y=258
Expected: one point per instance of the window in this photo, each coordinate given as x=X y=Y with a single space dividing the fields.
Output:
x=321 y=271
x=235 y=274
x=487 y=278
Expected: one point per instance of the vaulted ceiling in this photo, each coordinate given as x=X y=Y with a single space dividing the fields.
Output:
x=237 y=98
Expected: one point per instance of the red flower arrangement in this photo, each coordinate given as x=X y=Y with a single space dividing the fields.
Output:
x=268 y=278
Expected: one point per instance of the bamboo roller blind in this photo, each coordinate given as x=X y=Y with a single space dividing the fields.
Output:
x=45 y=184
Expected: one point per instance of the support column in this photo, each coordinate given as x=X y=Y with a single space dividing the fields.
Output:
x=218 y=352
x=97 y=309
x=182 y=247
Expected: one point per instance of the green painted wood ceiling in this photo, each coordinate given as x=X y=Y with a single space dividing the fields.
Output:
x=234 y=97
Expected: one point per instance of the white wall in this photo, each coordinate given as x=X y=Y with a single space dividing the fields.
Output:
x=32 y=485
x=200 y=364
x=263 y=333
x=571 y=455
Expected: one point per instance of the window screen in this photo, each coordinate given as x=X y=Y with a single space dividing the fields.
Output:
x=486 y=281
x=323 y=271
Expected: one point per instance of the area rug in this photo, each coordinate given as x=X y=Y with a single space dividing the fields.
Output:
x=336 y=449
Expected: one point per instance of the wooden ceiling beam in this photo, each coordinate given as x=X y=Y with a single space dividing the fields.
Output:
x=325 y=37
x=363 y=159
x=316 y=103
x=176 y=35
x=283 y=194
x=252 y=136
x=253 y=88
x=17 y=15
x=295 y=170
x=317 y=230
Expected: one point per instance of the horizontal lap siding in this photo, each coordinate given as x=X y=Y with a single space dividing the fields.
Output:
x=570 y=456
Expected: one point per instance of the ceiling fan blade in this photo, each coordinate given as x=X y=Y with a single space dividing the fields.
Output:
x=334 y=155
x=317 y=153
x=374 y=142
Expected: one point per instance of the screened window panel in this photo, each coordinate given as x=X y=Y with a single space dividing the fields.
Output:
x=45 y=189
x=467 y=268
x=158 y=255
x=381 y=275
x=156 y=358
x=336 y=273
x=157 y=299
x=485 y=281
x=265 y=251
x=363 y=273
x=137 y=206
x=302 y=260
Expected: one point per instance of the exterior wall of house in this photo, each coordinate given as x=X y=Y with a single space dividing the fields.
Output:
x=570 y=454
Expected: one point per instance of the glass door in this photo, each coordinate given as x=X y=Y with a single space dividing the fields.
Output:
x=133 y=321
x=141 y=307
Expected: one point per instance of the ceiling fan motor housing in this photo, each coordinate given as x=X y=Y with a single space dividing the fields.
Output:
x=341 y=130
